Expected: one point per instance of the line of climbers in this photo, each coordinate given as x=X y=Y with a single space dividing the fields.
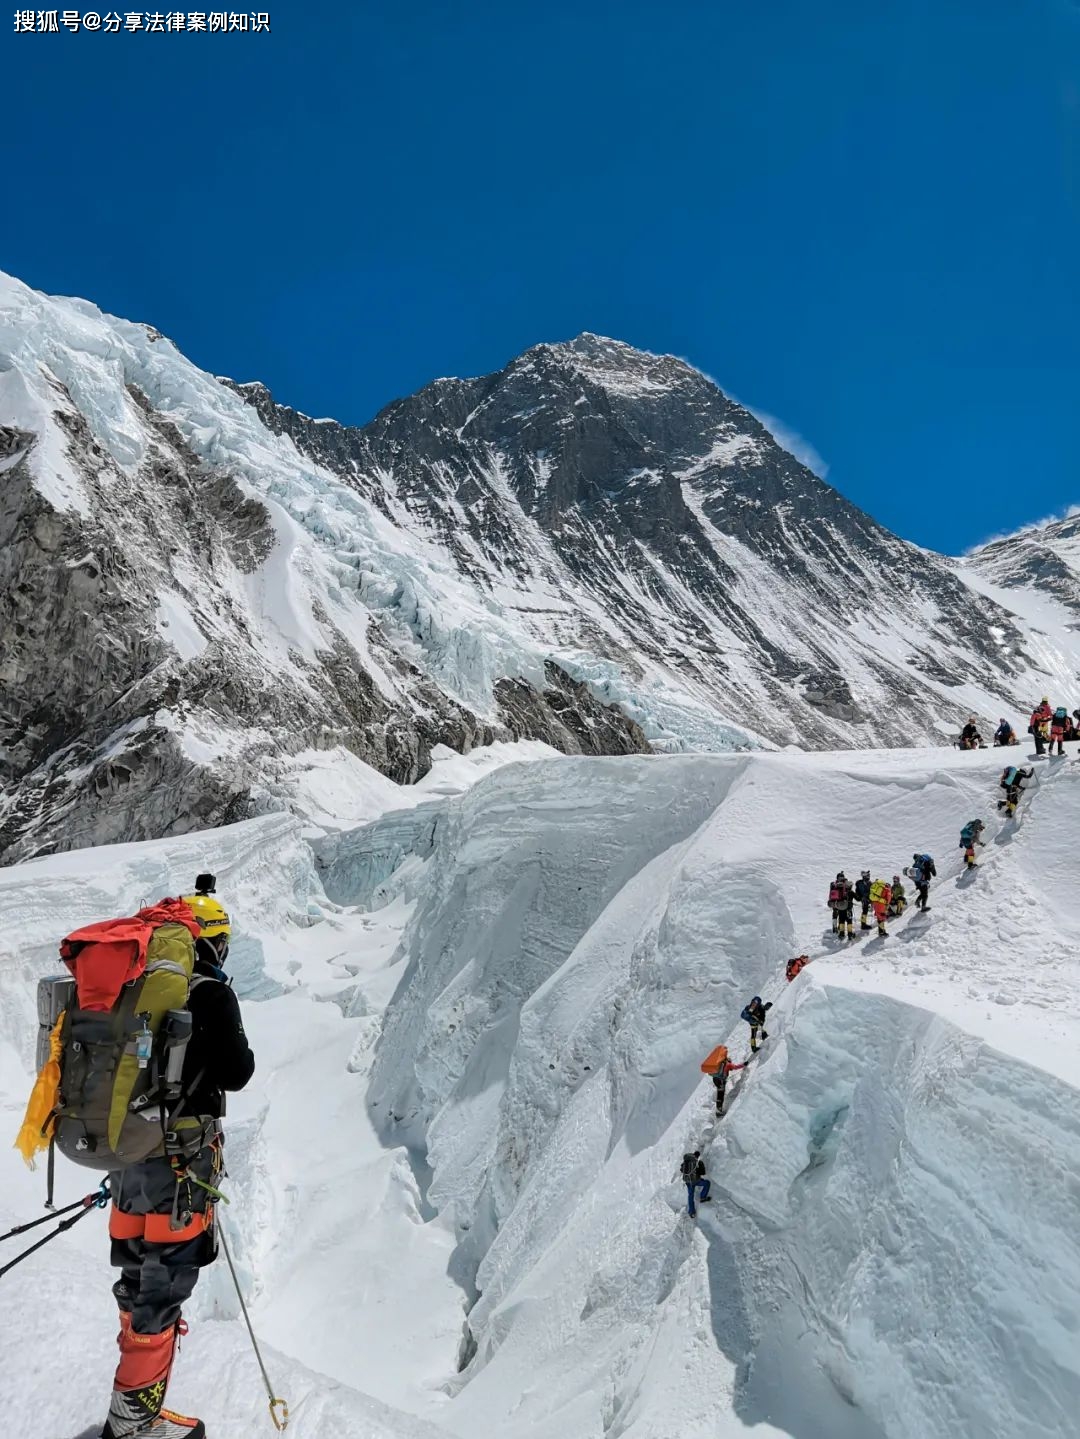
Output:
x=1048 y=727
x=887 y=901
x=137 y=1046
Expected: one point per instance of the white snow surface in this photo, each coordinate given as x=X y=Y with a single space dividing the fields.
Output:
x=471 y=1103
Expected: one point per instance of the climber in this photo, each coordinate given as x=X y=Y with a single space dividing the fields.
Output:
x=922 y=871
x=1058 y=721
x=970 y=738
x=862 y=894
x=1005 y=734
x=898 y=903
x=693 y=1176
x=969 y=838
x=880 y=898
x=1012 y=782
x=718 y=1066
x=796 y=966
x=754 y=1014
x=161 y=1224
x=1039 y=728
x=841 y=902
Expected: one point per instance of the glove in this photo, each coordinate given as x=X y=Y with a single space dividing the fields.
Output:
x=769 y=1004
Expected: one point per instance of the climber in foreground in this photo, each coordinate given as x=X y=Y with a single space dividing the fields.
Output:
x=693 y=1175
x=1012 y=782
x=162 y=1220
x=718 y=1065
x=922 y=871
x=970 y=836
x=754 y=1014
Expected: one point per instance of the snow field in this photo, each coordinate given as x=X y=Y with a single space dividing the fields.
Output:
x=462 y=1142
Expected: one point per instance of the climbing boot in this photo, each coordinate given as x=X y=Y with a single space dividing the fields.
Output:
x=137 y=1409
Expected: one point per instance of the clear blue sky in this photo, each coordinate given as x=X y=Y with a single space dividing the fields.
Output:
x=862 y=216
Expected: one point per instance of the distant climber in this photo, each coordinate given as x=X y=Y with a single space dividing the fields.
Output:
x=693 y=1176
x=862 y=894
x=1058 y=721
x=1005 y=734
x=796 y=966
x=718 y=1065
x=922 y=871
x=880 y=898
x=898 y=902
x=970 y=738
x=970 y=836
x=1039 y=728
x=842 y=901
x=754 y=1014
x=1012 y=782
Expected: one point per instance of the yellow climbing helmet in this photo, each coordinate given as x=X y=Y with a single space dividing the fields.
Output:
x=212 y=915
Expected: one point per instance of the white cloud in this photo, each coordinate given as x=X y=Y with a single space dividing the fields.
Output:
x=1069 y=513
x=792 y=441
x=784 y=435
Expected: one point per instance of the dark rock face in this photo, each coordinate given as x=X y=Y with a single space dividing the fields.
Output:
x=628 y=486
x=1046 y=558
x=94 y=693
x=566 y=715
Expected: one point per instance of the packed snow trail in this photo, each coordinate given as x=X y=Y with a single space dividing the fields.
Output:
x=893 y=1248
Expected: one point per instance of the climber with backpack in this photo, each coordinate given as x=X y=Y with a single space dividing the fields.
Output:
x=898 y=902
x=969 y=838
x=719 y=1066
x=1004 y=734
x=880 y=898
x=796 y=966
x=1012 y=782
x=862 y=894
x=1039 y=728
x=754 y=1015
x=693 y=1176
x=921 y=872
x=145 y=1038
x=841 y=902
x=1058 y=721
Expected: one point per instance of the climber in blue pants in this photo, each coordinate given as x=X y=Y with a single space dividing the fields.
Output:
x=693 y=1173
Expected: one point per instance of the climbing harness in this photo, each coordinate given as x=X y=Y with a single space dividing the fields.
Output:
x=98 y=1200
x=280 y=1421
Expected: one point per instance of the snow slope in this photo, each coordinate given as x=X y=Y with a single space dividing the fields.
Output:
x=461 y=1145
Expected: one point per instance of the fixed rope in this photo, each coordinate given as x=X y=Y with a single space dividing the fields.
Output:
x=280 y=1420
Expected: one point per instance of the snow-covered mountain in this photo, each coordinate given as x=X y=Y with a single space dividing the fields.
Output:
x=455 y=1204
x=204 y=594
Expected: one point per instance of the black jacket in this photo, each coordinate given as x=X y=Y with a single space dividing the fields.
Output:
x=218 y=1055
x=695 y=1173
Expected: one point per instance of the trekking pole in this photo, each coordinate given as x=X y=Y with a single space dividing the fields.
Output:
x=86 y=1205
x=280 y=1422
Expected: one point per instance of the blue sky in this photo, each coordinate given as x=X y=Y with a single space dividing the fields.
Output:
x=863 y=218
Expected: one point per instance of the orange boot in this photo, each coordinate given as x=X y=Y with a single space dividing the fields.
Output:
x=142 y=1376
